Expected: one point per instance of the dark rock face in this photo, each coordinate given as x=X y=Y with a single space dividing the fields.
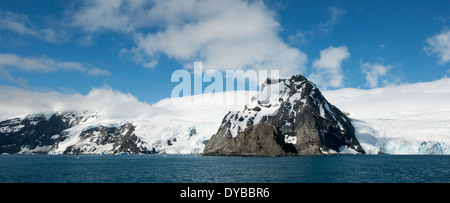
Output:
x=288 y=117
x=257 y=140
x=120 y=139
x=34 y=133
x=42 y=134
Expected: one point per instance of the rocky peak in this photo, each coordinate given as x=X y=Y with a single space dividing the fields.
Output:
x=305 y=122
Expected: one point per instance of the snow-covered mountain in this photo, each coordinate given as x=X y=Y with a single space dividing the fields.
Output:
x=169 y=126
x=37 y=133
x=405 y=119
x=89 y=133
x=288 y=117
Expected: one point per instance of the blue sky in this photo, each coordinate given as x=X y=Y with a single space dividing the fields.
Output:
x=135 y=46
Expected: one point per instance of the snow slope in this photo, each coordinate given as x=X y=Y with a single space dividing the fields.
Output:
x=406 y=119
x=188 y=123
x=170 y=126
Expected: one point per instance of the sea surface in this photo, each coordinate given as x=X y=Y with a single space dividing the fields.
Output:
x=199 y=169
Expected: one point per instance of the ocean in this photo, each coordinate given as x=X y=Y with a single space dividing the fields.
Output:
x=199 y=169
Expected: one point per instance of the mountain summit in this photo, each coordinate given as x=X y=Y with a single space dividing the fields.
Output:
x=288 y=117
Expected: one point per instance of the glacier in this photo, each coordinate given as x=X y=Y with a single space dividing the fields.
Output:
x=403 y=119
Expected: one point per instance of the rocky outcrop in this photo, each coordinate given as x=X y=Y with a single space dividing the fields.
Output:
x=288 y=117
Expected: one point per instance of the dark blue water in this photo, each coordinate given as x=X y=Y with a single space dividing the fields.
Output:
x=190 y=168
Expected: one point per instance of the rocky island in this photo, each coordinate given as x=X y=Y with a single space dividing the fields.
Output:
x=288 y=117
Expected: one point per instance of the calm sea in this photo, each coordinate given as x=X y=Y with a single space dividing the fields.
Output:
x=193 y=169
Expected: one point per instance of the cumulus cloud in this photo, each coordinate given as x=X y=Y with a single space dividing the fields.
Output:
x=20 y=24
x=374 y=72
x=328 y=69
x=439 y=45
x=115 y=15
x=232 y=34
x=15 y=63
x=109 y=103
x=115 y=106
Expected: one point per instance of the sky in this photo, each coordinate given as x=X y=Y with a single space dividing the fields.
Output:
x=134 y=46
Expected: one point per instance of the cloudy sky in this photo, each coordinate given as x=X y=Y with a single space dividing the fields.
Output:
x=134 y=46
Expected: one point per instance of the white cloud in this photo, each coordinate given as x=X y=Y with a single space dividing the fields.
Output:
x=113 y=105
x=328 y=69
x=439 y=45
x=21 y=25
x=110 y=103
x=97 y=72
x=331 y=58
x=13 y=62
x=233 y=34
x=115 y=15
x=374 y=72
